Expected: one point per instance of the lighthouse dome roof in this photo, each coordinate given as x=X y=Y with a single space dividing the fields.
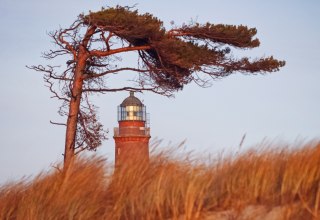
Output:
x=131 y=101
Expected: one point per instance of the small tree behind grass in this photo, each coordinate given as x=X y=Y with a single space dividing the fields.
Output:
x=166 y=61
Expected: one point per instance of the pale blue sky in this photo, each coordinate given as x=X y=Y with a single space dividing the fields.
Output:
x=283 y=105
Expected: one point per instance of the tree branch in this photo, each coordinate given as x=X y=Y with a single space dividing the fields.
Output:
x=106 y=40
x=87 y=76
x=100 y=53
x=90 y=31
x=134 y=89
x=50 y=72
x=56 y=123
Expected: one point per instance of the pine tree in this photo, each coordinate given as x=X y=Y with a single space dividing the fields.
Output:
x=166 y=61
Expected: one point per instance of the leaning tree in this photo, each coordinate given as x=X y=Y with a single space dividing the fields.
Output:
x=166 y=61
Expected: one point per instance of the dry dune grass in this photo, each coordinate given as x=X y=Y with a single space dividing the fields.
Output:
x=172 y=186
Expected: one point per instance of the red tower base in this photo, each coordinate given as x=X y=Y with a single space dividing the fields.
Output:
x=132 y=143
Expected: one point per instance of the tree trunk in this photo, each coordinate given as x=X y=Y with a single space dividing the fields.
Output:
x=74 y=109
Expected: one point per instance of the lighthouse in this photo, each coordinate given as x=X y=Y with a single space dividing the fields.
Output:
x=133 y=134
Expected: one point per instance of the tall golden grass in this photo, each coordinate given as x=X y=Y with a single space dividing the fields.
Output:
x=172 y=186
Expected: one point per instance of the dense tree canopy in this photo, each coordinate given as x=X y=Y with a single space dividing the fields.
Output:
x=173 y=56
x=166 y=61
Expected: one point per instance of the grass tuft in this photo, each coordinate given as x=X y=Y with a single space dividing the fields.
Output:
x=172 y=186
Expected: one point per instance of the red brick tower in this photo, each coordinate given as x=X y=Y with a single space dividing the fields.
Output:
x=132 y=136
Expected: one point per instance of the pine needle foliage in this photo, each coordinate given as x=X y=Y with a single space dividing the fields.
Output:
x=176 y=54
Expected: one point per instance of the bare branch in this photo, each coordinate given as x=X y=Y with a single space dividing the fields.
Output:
x=79 y=149
x=52 y=90
x=50 y=71
x=156 y=90
x=56 y=123
x=87 y=76
x=106 y=40
x=51 y=54
x=90 y=31
x=59 y=36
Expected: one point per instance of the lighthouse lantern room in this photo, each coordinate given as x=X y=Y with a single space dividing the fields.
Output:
x=132 y=136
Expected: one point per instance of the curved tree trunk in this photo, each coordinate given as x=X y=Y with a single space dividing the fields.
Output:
x=74 y=109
